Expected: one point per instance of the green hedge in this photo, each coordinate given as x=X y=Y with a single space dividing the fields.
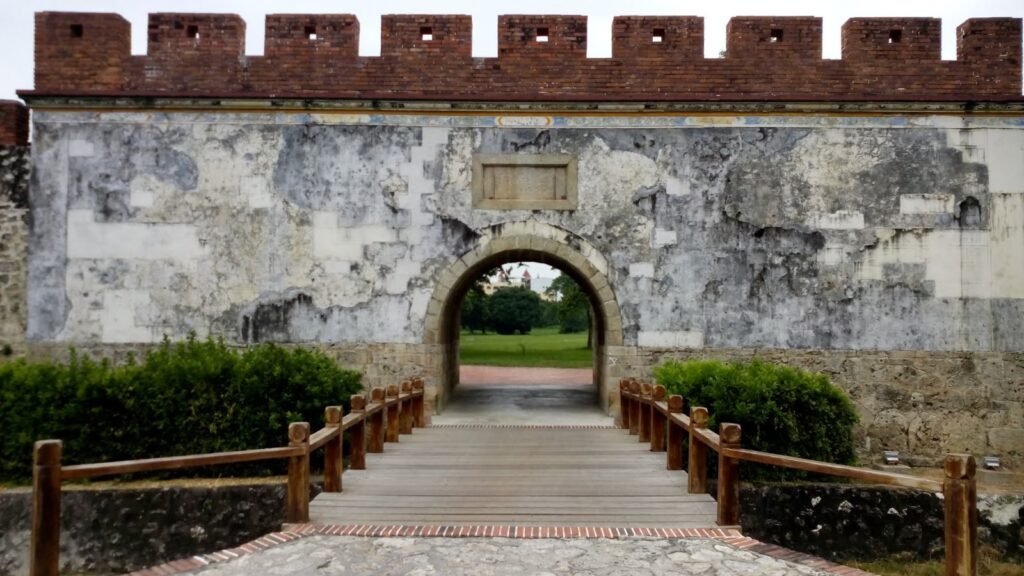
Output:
x=189 y=397
x=780 y=409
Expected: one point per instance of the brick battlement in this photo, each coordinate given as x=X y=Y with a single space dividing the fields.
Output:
x=13 y=123
x=540 y=58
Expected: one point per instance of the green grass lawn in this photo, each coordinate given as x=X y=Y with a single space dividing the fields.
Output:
x=543 y=347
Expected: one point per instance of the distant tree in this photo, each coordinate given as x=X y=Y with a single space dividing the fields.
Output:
x=476 y=310
x=573 y=307
x=514 y=310
x=548 y=314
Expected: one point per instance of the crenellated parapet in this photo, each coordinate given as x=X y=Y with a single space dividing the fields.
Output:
x=429 y=57
x=13 y=123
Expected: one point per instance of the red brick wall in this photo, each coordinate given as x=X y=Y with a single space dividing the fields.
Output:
x=682 y=38
x=13 y=123
x=767 y=58
x=82 y=51
x=768 y=38
x=899 y=41
x=406 y=37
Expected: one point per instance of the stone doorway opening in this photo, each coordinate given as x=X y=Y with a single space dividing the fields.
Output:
x=513 y=243
x=526 y=353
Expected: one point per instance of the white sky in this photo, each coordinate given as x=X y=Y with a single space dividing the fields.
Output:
x=16 y=24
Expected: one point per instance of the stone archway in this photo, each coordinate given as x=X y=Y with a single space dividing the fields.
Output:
x=523 y=241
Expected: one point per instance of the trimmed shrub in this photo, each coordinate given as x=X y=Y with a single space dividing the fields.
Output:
x=189 y=397
x=780 y=409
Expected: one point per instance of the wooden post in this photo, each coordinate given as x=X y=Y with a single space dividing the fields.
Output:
x=377 y=423
x=728 y=476
x=332 y=451
x=394 y=414
x=419 y=417
x=357 y=435
x=657 y=420
x=675 y=435
x=960 y=494
x=624 y=408
x=645 y=412
x=405 y=419
x=45 y=558
x=697 y=469
x=298 y=473
x=634 y=407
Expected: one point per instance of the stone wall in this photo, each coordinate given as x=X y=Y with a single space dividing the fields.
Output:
x=654 y=58
x=922 y=403
x=882 y=249
x=118 y=530
x=113 y=531
x=842 y=523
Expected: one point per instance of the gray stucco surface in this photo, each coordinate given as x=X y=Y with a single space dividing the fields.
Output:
x=290 y=228
x=882 y=250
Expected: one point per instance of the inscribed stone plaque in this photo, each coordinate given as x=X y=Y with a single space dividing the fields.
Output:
x=524 y=182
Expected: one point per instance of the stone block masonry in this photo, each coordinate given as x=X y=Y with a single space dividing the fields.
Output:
x=540 y=58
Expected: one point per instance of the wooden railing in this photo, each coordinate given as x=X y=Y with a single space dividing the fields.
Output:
x=389 y=412
x=648 y=414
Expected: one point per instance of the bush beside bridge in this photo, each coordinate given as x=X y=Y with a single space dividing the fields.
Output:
x=780 y=409
x=189 y=397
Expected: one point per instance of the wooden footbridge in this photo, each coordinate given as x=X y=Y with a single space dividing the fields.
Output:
x=511 y=476
x=518 y=476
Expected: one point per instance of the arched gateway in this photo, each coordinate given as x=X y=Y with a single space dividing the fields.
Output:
x=521 y=241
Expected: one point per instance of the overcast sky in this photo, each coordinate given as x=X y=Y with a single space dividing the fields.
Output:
x=16 y=24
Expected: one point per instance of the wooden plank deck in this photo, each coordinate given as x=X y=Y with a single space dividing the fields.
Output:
x=521 y=476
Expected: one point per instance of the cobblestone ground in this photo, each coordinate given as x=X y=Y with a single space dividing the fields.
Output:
x=357 y=556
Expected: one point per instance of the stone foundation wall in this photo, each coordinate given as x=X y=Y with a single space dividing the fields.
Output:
x=923 y=404
x=118 y=530
x=15 y=163
x=842 y=523
x=114 y=531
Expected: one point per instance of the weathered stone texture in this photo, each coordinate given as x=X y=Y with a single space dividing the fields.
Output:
x=868 y=522
x=884 y=250
x=14 y=178
x=113 y=531
x=116 y=530
x=923 y=404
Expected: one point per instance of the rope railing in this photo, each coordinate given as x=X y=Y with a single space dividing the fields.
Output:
x=390 y=412
x=660 y=421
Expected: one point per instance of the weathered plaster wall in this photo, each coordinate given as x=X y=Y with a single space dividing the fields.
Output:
x=717 y=234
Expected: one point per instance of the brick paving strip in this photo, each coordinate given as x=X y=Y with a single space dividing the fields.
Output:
x=731 y=538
